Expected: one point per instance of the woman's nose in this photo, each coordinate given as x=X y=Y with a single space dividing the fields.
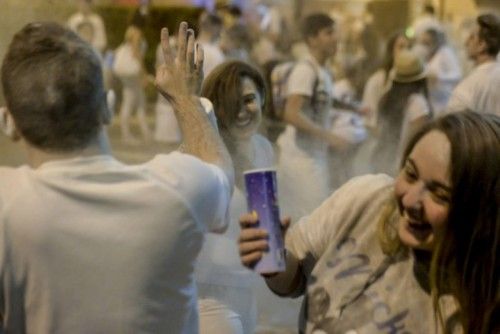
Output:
x=413 y=196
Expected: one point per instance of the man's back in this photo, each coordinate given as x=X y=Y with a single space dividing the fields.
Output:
x=90 y=245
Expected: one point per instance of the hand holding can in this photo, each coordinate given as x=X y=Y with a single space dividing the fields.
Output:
x=262 y=199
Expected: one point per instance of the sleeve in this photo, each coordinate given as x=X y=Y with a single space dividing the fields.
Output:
x=203 y=186
x=301 y=80
x=311 y=236
x=458 y=101
x=417 y=107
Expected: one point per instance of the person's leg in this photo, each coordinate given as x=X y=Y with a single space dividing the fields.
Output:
x=141 y=113
x=217 y=318
x=125 y=112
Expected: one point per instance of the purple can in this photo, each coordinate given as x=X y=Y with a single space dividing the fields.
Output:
x=262 y=198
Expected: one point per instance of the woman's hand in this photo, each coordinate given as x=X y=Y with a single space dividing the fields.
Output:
x=253 y=241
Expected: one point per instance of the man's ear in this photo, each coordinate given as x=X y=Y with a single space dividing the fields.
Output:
x=108 y=107
x=7 y=125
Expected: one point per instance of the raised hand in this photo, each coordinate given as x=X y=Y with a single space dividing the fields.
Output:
x=180 y=74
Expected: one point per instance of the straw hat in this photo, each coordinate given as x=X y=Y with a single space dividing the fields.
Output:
x=408 y=67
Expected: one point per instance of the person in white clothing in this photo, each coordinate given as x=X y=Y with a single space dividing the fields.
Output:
x=427 y=20
x=226 y=289
x=129 y=68
x=210 y=28
x=104 y=247
x=381 y=80
x=413 y=254
x=479 y=91
x=402 y=110
x=303 y=168
x=85 y=13
x=443 y=67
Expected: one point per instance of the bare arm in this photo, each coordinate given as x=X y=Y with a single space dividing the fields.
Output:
x=176 y=80
x=293 y=115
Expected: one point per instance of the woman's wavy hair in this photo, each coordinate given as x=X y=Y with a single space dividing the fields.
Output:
x=223 y=87
x=465 y=261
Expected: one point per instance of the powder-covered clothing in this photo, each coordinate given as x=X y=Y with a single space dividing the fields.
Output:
x=310 y=79
x=445 y=67
x=91 y=245
x=221 y=278
x=352 y=286
x=478 y=92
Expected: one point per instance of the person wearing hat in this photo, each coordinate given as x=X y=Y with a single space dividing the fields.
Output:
x=402 y=110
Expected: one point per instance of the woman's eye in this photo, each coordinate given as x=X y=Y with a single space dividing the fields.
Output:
x=410 y=174
x=441 y=197
x=248 y=100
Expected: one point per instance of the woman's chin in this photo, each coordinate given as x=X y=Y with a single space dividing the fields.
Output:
x=415 y=239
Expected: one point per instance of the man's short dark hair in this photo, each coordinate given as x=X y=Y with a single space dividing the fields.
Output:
x=313 y=23
x=53 y=86
x=489 y=32
x=429 y=9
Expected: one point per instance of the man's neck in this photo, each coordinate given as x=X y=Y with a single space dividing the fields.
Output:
x=319 y=56
x=37 y=157
x=484 y=58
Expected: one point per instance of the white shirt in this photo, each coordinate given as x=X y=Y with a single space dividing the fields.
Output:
x=308 y=78
x=213 y=57
x=99 y=41
x=444 y=65
x=375 y=88
x=479 y=91
x=91 y=245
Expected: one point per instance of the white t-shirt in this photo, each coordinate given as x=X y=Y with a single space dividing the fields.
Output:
x=213 y=57
x=445 y=66
x=310 y=79
x=479 y=91
x=219 y=272
x=99 y=41
x=90 y=245
x=351 y=285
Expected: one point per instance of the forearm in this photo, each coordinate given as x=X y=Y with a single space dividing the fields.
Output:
x=199 y=137
x=290 y=283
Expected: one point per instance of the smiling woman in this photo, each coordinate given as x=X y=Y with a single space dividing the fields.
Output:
x=226 y=291
x=383 y=255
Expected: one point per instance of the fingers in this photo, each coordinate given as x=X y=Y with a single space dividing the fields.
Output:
x=182 y=43
x=250 y=259
x=165 y=46
x=248 y=219
x=200 y=58
x=190 y=50
x=253 y=246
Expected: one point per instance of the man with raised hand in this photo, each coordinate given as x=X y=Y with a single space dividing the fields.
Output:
x=87 y=243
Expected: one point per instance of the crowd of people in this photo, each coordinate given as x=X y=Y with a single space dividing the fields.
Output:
x=405 y=243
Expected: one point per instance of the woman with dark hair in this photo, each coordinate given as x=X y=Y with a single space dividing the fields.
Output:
x=402 y=109
x=226 y=297
x=417 y=254
x=380 y=81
